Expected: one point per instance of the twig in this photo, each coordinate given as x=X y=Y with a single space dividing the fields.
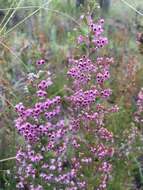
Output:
x=13 y=53
x=64 y=14
x=26 y=7
x=133 y=8
x=7 y=159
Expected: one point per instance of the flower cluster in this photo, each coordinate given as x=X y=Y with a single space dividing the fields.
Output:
x=52 y=172
x=139 y=112
x=28 y=123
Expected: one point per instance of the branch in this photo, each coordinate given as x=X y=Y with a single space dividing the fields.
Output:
x=133 y=8
x=7 y=159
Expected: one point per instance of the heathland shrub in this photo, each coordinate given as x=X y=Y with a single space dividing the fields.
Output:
x=68 y=147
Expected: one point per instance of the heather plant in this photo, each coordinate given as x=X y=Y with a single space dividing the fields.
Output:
x=69 y=150
x=89 y=108
x=43 y=133
x=53 y=49
x=139 y=113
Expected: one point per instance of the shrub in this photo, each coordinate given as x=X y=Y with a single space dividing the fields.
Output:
x=69 y=148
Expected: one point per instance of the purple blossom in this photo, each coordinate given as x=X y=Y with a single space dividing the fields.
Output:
x=40 y=62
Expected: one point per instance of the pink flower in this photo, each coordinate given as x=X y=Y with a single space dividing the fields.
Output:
x=80 y=39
